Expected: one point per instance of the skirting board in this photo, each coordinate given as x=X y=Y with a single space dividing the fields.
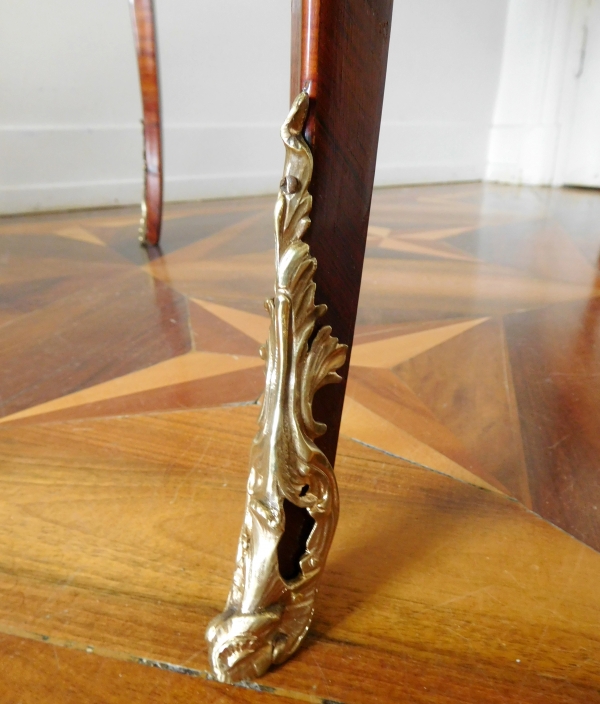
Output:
x=76 y=167
x=524 y=154
x=53 y=168
x=431 y=152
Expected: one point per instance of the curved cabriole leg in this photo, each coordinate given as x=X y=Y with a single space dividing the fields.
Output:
x=142 y=14
x=330 y=137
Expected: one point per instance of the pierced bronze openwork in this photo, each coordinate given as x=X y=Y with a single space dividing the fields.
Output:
x=271 y=602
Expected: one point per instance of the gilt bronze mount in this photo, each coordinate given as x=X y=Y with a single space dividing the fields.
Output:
x=270 y=605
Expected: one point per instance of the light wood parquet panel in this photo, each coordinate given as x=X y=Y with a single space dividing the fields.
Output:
x=108 y=541
x=70 y=676
x=122 y=460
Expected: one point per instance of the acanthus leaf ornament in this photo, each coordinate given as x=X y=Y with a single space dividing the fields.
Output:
x=267 y=614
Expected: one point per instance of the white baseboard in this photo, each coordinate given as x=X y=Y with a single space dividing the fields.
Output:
x=431 y=152
x=52 y=168
x=436 y=172
x=523 y=154
x=49 y=168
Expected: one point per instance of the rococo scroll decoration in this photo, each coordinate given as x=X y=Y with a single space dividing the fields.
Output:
x=267 y=613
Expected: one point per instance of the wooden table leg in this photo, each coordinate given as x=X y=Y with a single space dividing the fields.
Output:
x=142 y=14
x=339 y=55
x=347 y=80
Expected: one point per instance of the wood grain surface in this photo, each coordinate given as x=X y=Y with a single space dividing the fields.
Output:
x=118 y=535
x=144 y=29
x=44 y=673
x=556 y=356
x=346 y=60
x=128 y=390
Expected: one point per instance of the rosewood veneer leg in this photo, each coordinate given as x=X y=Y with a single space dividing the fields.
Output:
x=142 y=15
x=339 y=58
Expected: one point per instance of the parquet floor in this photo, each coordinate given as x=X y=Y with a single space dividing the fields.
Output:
x=466 y=566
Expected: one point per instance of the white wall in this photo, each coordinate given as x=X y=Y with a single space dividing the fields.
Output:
x=533 y=107
x=443 y=73
x=70 y=105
